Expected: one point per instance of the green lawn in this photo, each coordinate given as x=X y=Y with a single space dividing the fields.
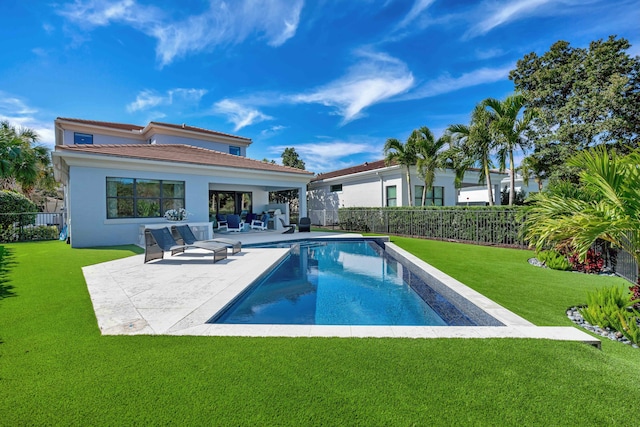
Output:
x=56 y=368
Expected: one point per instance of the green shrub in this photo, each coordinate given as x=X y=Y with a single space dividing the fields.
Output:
x=40 y=232
x=554 y=260
x=610 y=308
x=16 y=208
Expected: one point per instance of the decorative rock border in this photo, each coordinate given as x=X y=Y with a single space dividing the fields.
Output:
x=574 y=315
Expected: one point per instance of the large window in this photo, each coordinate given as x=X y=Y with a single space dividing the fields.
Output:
x=435 y=197
x=82 y=138
x=143 y=198
x=392 y=196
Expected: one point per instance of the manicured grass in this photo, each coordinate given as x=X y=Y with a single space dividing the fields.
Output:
x=56 y=368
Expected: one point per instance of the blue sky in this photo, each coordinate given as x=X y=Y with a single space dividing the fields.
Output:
x=332 y=78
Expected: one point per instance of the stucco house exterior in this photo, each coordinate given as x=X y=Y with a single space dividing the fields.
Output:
x=119 y=178
x=374 y=184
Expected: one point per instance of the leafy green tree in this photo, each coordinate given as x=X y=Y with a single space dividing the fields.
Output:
x=430 y=158
x=606 y=206
x=291 y=158
x=509 y=130
x=583 y=98
x=403 y=154
x=475 y=144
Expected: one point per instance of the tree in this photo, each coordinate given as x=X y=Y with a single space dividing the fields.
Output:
x=403 y=154
x=475 y=144
x=530 y=168
x=509 y=129
x=606 y=206
x=22 y=161
x=583 y=98
x=429 y=154
x=291 y=158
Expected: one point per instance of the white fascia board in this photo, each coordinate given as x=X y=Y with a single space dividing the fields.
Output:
x=126 y=163
x=358 y=175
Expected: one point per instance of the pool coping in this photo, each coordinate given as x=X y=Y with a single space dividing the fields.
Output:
x=177 y=295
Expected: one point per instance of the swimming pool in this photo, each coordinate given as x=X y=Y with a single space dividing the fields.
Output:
x=345 y=282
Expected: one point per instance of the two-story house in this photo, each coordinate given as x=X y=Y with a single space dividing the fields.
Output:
x=120 y=177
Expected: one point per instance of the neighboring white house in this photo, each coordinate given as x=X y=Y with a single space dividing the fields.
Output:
x=119 y=178
x=373 y=184
x=478 y=195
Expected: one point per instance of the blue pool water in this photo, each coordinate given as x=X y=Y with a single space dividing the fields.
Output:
x=340 y=283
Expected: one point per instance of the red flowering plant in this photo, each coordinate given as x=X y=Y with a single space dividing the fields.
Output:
x=592 y=264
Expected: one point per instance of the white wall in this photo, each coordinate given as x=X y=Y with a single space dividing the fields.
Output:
x=101 y=139
x=218 y=146
x=88 y=212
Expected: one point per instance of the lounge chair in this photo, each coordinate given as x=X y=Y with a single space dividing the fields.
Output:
x=289 y=227
x=184 y=235
x=260 y=224
x=158 y=241
x=234 y=223
x=221 y=220
x=304 y=224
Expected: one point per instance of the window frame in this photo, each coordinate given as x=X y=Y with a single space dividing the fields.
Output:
x=78 y=136
x=335 y=188
x=164 y=202
x=235 y=150
x=387 y=198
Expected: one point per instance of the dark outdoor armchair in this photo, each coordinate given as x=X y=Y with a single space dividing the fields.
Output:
x=304 y=224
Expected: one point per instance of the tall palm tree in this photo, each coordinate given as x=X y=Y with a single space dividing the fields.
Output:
x=509 y=128
x=403 y=154
x=429 y=152
x=611 y=212
x=475 y=143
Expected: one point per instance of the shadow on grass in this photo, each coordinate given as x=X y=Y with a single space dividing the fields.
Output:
x=6 y=262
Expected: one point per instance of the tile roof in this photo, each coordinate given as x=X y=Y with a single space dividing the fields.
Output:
x=177 y=153
x=119 y=126
x=130 y=127
x=197 y=129
x=366 y=166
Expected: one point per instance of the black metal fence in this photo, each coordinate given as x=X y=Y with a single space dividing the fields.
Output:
x=18 y=227
x=480 y=226
x=485 y=226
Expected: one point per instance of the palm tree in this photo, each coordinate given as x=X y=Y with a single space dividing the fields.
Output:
x=403 y=154
x=429 y=152
x=610 y=211
x=475 y=143
x=509 y=128
x=530 y=168
x=21 y=160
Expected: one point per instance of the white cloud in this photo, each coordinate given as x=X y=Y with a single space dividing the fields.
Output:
x=375 y=79
x=328 y=155
x=147 y=99
x=239 y=115
x=496 y=14
x=446 y=83
x=271 y=131
x=223 y=23
x=418 y=7
x=18 y=113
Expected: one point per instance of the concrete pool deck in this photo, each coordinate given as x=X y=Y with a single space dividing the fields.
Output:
x=177 y=295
